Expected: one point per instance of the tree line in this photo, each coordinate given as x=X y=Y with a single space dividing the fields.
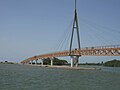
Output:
x=112 y=63
x=56 y=61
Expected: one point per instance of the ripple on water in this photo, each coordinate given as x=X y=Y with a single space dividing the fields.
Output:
x=19 y=77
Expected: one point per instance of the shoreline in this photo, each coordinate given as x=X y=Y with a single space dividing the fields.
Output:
x=66 y=67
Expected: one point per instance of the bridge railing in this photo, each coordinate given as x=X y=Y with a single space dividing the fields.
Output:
x=101 y=47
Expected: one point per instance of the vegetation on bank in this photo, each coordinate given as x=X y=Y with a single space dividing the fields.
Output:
x=112 y=63
x=98 y=64
x=56 y=61
x=6 y=62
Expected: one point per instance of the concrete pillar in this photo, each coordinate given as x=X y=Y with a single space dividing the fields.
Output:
x=31 y=62
x=42 y=62
x=36 y=61
x=52 y=61
x=76 y=60
x=72 y=61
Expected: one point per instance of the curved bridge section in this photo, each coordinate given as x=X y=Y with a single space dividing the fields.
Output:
x=111 y=50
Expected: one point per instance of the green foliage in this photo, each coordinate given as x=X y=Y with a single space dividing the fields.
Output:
x=113 y=63
x=59 y=62
x=46 y=61
x=56 y=61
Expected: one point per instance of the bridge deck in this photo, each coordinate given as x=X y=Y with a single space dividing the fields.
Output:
x=112 y=50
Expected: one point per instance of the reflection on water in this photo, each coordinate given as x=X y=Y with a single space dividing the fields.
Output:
x=19 y=77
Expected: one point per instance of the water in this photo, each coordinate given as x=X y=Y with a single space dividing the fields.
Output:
x=19 y=77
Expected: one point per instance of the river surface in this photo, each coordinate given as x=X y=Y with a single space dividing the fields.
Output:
x=19 y=77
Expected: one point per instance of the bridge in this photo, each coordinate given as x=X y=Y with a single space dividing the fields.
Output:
x=109 y=50
x=112 y=50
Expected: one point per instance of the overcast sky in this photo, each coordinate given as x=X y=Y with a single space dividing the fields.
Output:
x=33 y=27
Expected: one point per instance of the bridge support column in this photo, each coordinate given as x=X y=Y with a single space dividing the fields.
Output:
x=72 y=61
x=31 y=62
x=36 y=61
x=42 y=62
x=76 y=60
x=51 y=61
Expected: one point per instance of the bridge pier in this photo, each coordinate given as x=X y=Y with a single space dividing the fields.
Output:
x=42 y=62
x=31 y=62
x=36 y=61
x=74 y=61
x=51 y=61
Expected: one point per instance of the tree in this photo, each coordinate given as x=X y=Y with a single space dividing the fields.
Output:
x=56 y=61
x=112 y=63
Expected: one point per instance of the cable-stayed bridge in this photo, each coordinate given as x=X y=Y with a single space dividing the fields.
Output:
x=109 y=50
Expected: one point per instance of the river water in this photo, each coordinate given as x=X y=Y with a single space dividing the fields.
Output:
x=19 y=77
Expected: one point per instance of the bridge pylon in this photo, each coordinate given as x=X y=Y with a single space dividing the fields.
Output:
x=74 y=57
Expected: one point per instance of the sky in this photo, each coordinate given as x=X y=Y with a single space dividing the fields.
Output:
x=34 y=27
